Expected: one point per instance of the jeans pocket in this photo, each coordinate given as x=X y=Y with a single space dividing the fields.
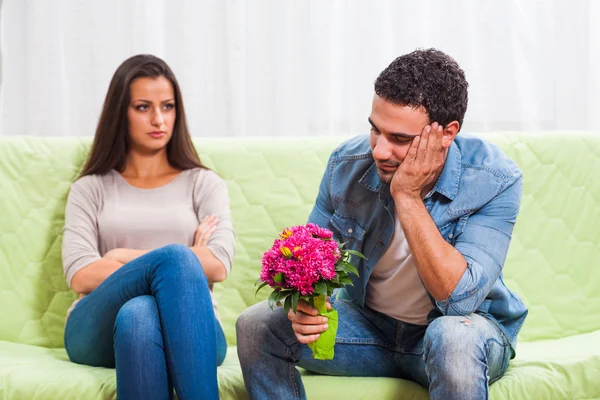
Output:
x=498 y=357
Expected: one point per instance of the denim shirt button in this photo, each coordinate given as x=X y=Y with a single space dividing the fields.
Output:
x=350 y=230
x=450 y=236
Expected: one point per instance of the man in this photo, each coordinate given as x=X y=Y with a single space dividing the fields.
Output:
x=433 y=213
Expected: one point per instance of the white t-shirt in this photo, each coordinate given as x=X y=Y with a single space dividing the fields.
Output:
x=394 y=287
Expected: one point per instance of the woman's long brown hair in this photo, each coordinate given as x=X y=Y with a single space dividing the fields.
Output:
x=111 y=141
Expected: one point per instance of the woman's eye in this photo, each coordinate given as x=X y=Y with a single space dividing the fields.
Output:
x=169 y=106
x=141 y=107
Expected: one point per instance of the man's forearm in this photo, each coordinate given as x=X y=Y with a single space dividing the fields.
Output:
x=439 y=264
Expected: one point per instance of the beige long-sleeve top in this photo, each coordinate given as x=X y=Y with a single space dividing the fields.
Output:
x=105 y=212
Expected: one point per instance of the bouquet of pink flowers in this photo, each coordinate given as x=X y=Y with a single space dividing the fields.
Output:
x=305 y=263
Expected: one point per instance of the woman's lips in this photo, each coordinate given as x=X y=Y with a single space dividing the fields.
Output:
x=156 y=135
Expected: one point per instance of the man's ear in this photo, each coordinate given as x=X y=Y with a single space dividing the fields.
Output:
x=450 y=132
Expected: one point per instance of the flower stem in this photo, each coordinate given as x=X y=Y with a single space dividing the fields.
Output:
x=320 y=303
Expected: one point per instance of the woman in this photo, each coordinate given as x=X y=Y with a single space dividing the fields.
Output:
x=147 y=231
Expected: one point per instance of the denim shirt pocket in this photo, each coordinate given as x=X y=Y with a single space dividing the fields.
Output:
x=349 y=230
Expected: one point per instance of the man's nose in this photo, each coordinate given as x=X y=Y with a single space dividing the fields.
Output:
x=382 y=150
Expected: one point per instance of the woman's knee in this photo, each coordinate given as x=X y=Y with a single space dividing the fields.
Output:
x=138 y=321
x=182 y=261
x=178 y=253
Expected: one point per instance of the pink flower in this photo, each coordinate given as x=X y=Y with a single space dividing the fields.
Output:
x=303 y=255
x=319 y=232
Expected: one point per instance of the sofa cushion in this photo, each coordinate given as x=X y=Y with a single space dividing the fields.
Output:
x=272 y=183
x=552 y=263
x=37 y=373
x=554 y=369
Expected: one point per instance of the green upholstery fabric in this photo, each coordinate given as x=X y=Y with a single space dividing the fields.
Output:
x=553 y=263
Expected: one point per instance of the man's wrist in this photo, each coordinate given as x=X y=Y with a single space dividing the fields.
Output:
x=405 y=200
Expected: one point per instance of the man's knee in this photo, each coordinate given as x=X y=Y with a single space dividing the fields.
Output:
x=258 y=319
x=448 y=331
x=454 y=349
x=257 y=325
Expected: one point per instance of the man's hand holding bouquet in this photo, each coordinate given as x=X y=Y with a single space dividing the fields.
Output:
x=306 y=263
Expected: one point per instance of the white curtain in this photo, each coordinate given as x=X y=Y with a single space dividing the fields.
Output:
x=278 y=68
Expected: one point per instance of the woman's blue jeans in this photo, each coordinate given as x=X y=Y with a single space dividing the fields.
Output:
x=153 y=320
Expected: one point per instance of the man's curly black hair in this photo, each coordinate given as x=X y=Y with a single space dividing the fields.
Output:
x=426 y=78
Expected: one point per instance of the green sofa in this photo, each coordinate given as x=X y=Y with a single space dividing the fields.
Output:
x=553 y=263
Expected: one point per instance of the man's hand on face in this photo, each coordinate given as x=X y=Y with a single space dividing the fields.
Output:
x=423 y=160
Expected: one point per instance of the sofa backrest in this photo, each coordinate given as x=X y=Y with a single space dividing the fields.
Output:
x=552 y=263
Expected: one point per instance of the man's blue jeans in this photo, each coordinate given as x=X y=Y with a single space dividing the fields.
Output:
x=153 y=319
x=455 y=357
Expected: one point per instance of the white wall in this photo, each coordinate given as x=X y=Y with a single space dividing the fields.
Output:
x=260 y=68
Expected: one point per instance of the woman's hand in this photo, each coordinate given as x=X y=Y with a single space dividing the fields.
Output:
x=207 y=227
x=213 y=267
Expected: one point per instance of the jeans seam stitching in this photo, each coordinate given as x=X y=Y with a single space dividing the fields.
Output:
x=359 y=341
x=503 y=346
x=288 y=355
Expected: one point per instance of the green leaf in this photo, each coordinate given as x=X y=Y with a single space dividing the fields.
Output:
x=307 y=298
x=340 y=274
x=347 y=267
x=356 y=253
x=278 y=278
x=262 y=285
x=273 y=299
x=321 y=288
x=295 y=297
x=287 y=304
x=282 y=295
x=346 y=281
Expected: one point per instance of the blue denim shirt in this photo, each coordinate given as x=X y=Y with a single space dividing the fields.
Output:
x=474 y=204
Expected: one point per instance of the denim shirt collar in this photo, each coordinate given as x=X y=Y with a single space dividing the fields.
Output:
x=446 y=185
x=370 y=179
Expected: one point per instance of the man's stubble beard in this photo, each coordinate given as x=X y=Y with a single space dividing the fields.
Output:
x=385 y=177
